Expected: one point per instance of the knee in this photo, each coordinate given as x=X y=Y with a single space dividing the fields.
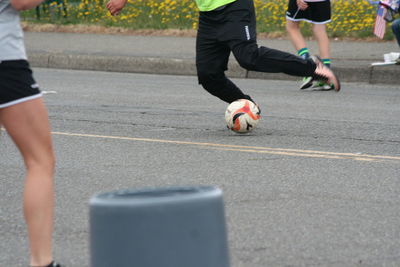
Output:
x=247 y=63
x=203 y=76
x=292 y=26
x=208 y=77
x=247 y=55
x=44 y=162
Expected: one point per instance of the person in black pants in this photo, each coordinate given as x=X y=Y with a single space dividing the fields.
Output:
x=232 y=28
x=227 y=26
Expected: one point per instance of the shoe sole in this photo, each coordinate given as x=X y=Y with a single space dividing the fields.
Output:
x=320 y=88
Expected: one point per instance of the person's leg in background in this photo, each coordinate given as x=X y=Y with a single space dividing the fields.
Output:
x=297 y=39
x=322 y=39
x=320 y=16
x=321 y=36
x=396 y=32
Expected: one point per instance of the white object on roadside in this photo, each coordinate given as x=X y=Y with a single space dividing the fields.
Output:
x=388 y=59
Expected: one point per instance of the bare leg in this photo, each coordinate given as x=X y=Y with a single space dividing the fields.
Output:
x=27 y=124
x=295 y=35
x=322 y=38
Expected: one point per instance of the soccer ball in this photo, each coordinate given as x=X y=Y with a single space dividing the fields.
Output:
x=242 y=116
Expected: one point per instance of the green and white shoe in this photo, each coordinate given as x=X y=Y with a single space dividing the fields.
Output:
x=322 y=86
x=322 y=74
x=306 y=83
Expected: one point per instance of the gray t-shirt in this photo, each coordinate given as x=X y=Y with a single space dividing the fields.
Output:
x=11 y=35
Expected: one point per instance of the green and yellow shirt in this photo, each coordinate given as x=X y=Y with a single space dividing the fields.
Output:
x=208 y=5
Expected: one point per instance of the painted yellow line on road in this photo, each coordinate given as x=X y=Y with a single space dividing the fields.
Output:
x=249 y=149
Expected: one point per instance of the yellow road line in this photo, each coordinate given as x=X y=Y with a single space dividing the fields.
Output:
x=249 y=149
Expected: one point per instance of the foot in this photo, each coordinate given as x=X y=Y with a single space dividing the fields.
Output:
x=307 y=83
x=322 y=86
x=324 y=74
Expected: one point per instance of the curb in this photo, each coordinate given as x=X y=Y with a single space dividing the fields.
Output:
x=348 y=71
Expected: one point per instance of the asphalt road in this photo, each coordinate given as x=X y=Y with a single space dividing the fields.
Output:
x=316 y=184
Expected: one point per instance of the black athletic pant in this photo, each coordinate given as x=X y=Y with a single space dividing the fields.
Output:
x=233 y=29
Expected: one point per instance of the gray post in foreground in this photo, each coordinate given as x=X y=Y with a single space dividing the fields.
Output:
x=159 y=227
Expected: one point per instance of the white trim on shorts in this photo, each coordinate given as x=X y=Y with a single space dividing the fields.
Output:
x=309 y=21
x=24 y=99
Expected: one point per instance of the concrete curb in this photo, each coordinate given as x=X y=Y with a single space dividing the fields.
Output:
x=359 y=71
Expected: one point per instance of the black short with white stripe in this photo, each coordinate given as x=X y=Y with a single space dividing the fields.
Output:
x=16 y=82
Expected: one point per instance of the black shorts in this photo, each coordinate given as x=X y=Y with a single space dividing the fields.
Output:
x=317 y=12
x=16 y=83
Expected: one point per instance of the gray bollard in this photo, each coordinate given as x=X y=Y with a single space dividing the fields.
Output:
x=159 y=227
